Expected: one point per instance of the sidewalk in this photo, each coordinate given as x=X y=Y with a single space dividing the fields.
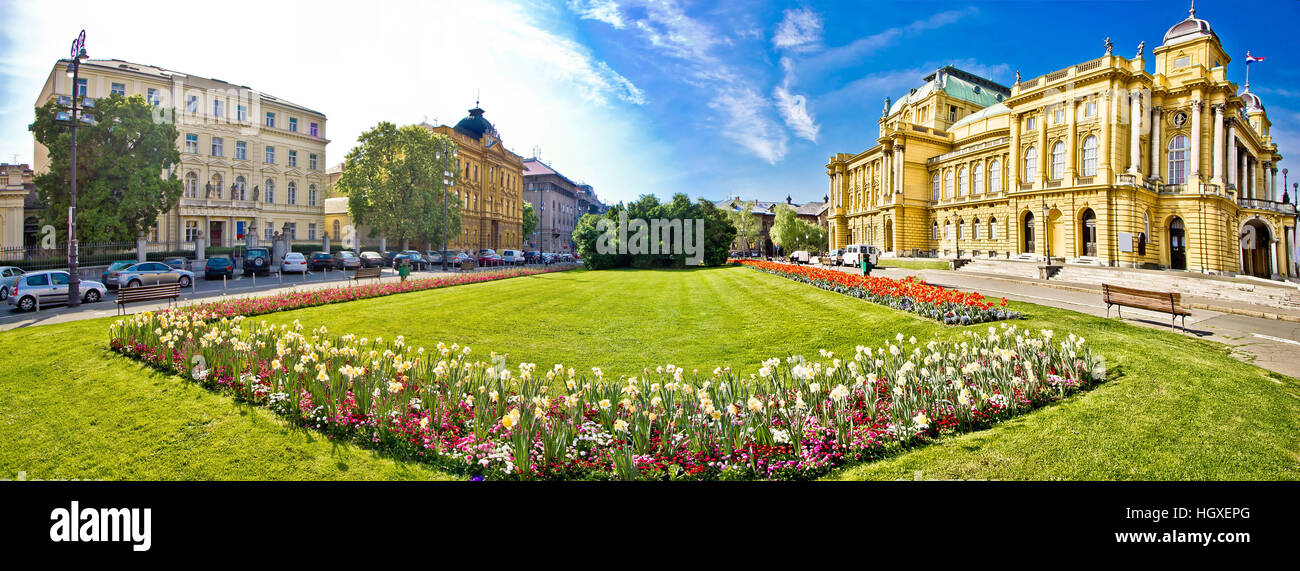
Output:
x=1269 y=339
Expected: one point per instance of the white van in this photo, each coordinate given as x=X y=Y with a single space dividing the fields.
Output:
x=854 y=252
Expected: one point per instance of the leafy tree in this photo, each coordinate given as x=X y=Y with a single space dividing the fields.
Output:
x=530 y=221
x=125 y=168
x=746 y=224
x=394 y=181
x=716 y=242
x=792 y=233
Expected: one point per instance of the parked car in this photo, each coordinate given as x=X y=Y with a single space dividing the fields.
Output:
x=372 y=260
x=293 y=263
x=532 y=257
x=153 y=273
x=455 y=257
x=257 y=261
x=109 y=277
x=854 y=253
x=800 y=257
x=219 y=266
x=346 y=260
x=177 y=262
x=50 y=287
x=416 y=260
x=489 y=257
x=320 y=261
x=8 y=275
x=512 y=257
x=433 y=257
x=549 y=258
x=388 y=257
x=834 y=257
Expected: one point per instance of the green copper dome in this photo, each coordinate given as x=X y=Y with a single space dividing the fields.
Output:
x=474 y=125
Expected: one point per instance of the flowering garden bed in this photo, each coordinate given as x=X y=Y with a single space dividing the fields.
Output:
x=948 y=306
x=791 y=419
x=248 y=306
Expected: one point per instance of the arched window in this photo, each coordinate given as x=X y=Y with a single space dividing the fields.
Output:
x=961 y=182
x=961 y=229
x=1090 y=155
x=934 y=231
x=935 y=183
x=979 y=179
x=947 y=185
x=191 y=185
x=1178 y=147
x=1058 y=160
x=975 y=229
x=995 y=176
x=216 y=185
x=947 y=229
x=293 y=192
x=338 y=229
x=241 y=189
x=270 y=190
x=993 y=228
x=311 y=195
x=1031 y=165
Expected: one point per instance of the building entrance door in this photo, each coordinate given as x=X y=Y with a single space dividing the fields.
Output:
x=1177 y=245
x=214 y=233
x=1029 y=233
x=1089 y=231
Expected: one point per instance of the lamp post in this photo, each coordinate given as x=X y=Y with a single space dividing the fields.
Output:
x=74 y=68
x=1047 y=240
x=446 y=183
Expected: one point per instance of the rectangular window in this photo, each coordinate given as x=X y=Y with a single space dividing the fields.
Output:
x=1031 y=123
x=217 y=146
x=311 y=161
x=267 y=231
x=217 y=109
x=192 y=104
x=119 y=89
x=82 y=86
x=293 y=158
x=270 y=119
x=241 y=113
x=191 y=230
x=315 y=130
x=291 y=230
x=952 y=113
x=152 y=96
x=293 y=124
x=1090 y=109
x=1059 y=116
x=311 y=231
x=191 y=143
x=270 y=155
x=241 y=150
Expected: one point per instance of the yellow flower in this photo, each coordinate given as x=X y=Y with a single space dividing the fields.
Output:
x=604 y=404
x=620 y=425
x=510 y=420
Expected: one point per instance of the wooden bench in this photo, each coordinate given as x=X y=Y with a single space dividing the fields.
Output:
x=367 y=274
x=169 y=292
x=1164 y=302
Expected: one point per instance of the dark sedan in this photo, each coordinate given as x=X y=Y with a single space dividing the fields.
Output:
x=219 y=266
x=320 y=261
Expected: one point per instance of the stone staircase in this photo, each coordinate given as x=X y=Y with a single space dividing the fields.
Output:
x=1006 y=268
x=1240 y=290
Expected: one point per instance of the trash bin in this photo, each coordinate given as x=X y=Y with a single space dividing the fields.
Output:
x=404 y=269
x=866 y=266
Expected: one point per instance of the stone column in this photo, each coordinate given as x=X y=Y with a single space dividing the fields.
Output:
x=1196 y=143
x=1135 y=133
x=1233 y=169
x=141 y=249
x=1012 y=180
x=899 y=162
x=1156 y=112
x=1070 y=154
x=1043 y=154
x=1273 y=246
x=1217 y=154
x=1268 y=182
x=1103 y=156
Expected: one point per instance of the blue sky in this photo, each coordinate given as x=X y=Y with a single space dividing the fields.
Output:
x=715 y=99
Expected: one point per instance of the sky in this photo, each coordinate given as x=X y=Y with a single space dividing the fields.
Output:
x=710 y=98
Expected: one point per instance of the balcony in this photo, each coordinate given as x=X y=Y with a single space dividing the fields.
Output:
x=1269 y=205
x=968 y=150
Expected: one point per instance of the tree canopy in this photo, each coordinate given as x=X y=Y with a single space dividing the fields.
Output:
x=125 y=168
x=792 y=233
x=718 y=233
x=395 y=181
x=748 y=232
x=530 y=221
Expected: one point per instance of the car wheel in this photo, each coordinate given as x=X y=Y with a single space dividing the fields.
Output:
x=92 y=296
x=27 y=303
x=4 y=293
x=133 y=283
x=185 y=281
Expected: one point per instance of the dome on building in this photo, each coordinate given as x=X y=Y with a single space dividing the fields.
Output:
x=1189 y=29
x=1252 y=101
x=474 y=125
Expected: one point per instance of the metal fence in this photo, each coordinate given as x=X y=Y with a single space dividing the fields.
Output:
x=32 y=258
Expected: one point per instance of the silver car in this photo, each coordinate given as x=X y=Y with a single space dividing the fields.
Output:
x=50 y=287
x=8 y=275
x=152 y=273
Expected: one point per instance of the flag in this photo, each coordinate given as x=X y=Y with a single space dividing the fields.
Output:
x=1251 y=58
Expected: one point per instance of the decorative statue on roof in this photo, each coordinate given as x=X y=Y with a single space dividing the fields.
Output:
x=1017 y=76
x=1142 y=46
x=1110 y=48
x=256 y=192
x=885 y=111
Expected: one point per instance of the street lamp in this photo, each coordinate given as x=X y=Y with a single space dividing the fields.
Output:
x=1047 y=240
x=74 y=68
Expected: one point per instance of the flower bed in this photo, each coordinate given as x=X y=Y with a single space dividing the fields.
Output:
x=791 y=419
x=249 y=306
x=949 y=306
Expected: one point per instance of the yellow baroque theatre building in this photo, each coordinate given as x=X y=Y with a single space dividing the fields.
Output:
x=1099 y=163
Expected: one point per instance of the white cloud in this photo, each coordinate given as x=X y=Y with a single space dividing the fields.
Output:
x=799 y=30
x=794 y=111
x=601 y=10
x=748 y=124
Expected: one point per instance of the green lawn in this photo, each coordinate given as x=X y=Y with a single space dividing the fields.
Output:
x=1174 y=408
x=914 y=264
